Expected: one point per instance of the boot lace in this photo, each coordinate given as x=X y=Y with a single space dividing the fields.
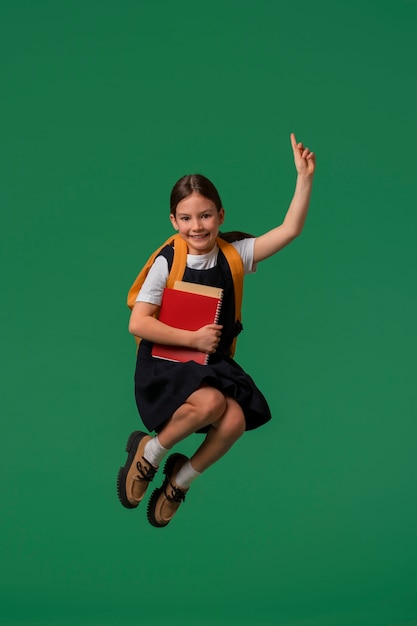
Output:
x=178 y=495
x=146 y=470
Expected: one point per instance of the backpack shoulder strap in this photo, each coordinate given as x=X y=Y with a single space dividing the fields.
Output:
x=179 y=262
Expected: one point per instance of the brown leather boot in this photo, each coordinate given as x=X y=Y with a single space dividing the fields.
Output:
x=164 y=502
x=133 y=479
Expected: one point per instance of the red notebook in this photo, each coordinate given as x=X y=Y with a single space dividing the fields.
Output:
x=188 y=306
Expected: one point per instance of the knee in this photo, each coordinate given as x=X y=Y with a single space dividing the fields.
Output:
x=212 y=405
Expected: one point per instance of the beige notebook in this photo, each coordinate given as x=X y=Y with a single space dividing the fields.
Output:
x=204 y=290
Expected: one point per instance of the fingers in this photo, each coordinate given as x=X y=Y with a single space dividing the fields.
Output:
x=217 y=334
x=211 y=336
x=298 y=147
x=300 y=150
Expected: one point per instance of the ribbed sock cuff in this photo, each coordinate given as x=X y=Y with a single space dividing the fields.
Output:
x=186 y=475
x=154 y=452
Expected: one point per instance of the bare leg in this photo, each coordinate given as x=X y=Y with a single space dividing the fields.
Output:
x=203 y=407
x=221 y=436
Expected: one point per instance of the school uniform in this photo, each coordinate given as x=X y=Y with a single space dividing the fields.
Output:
x=162 y=386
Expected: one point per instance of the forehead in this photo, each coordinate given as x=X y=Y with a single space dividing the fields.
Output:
x=195 y=203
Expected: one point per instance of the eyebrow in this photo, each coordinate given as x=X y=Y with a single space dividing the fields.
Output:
x=182 y=214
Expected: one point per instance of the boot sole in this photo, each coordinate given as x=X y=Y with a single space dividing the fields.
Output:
x=131 y=447
x=169 y=465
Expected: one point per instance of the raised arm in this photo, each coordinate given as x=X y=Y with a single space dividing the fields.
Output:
x=268 y=244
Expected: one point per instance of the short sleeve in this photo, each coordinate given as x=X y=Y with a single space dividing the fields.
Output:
x=245 y=247
x=154 y=283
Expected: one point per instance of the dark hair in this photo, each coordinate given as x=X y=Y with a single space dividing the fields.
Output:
x=186 y=185
x=235 y=235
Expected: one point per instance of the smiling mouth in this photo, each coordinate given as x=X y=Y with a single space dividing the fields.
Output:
x=199 y=236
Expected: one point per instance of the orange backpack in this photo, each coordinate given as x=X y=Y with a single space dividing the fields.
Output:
x=178 y=268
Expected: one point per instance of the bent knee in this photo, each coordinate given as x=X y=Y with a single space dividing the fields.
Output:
x=213 y=402
x=210 y=404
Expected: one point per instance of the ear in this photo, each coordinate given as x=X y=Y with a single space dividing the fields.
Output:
x=221 y=216
x=173 y=221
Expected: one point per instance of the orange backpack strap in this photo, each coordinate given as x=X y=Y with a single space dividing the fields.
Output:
x=179 y=262
x=176 y=273
x=236 y=267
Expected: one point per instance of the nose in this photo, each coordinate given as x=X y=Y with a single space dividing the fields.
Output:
x=196 y=225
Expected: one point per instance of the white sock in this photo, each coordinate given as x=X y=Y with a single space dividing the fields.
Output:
x=186 y=475
x=154 y=452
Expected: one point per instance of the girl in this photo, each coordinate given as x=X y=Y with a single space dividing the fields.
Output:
x=218 y=399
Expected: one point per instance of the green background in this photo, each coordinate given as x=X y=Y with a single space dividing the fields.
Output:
x=311 y=520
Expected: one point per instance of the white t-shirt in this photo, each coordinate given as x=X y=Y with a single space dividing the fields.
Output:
x=156 y=279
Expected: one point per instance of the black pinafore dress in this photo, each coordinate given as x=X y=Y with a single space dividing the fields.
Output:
x=162 y=386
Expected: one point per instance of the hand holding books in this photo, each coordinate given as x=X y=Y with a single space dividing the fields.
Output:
x=208 y=338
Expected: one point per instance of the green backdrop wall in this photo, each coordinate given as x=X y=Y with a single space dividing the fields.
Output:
x=309 y=521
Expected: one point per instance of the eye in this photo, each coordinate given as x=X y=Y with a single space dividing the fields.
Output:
x=206 y=215
x=185 y=218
